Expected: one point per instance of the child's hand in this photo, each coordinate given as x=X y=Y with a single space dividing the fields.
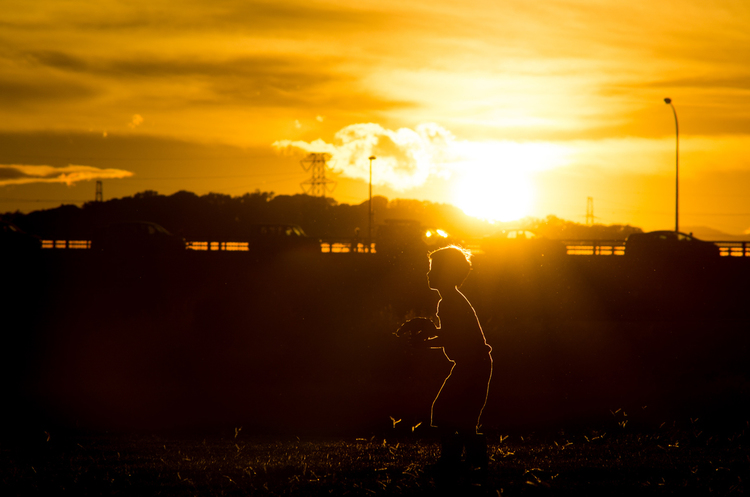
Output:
x=417 y=330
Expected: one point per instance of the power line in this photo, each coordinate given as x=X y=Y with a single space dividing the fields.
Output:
x=142 y=178
x=68 y=157
x=72 y=201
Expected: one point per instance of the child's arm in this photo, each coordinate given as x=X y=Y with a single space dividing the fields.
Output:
x=434 y=342
x=418 y=331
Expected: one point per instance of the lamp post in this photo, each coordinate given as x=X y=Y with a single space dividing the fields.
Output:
x=369 y=209
x=668 y=101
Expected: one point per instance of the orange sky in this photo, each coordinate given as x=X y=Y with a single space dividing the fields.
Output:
x=505 y=108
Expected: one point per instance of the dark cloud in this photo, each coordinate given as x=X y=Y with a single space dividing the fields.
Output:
x=7 y=173
x=18 y=93
x=117 y=150
x=737 y=82
x=243 y=17
x=261 y=67
x=275 y=70
x=299 y=16
x=256 y=81
x=58 y=60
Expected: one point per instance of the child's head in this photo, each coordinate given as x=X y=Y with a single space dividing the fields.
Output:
x=449 y=266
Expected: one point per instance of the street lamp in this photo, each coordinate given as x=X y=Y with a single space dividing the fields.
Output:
x=668 y=101
x=369 y=208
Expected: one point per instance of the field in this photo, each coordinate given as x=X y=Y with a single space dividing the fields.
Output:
x=134 y=377
x=671 y=460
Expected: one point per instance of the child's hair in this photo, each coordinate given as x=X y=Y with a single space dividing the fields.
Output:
x=454 y=261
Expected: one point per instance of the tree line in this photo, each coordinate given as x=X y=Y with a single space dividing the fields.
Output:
x=217 y=216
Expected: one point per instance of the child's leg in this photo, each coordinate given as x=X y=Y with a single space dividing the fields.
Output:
x=476 y=449
x=451 y=448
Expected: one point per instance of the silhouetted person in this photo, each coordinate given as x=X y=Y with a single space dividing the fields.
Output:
x=458 y=406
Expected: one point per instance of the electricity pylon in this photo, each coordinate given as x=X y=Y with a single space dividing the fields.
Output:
x=317 y=185
x=590 y=211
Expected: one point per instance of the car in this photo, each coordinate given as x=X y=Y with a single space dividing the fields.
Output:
x=521 y=243
x=137 y=237
x=399 y=237
x=14 y=239
x=270 y=238
x=673 y=244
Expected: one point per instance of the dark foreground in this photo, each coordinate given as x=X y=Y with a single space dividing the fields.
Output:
x=670 y=460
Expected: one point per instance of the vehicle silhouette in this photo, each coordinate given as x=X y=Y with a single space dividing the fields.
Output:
x=14 y=239
x=270 y=238
x=136 y=236
x=673 y=244
x=409 y=237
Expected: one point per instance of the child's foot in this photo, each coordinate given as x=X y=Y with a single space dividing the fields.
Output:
x=447 y=470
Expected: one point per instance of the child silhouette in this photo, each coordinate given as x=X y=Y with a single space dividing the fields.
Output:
x=458 y=406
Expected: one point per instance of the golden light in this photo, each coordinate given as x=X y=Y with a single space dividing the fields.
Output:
x=495 y=194
x=494 y=183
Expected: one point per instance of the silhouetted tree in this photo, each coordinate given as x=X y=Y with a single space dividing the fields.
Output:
x=217 y=216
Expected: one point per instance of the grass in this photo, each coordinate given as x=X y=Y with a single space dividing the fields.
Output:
x=667 y=461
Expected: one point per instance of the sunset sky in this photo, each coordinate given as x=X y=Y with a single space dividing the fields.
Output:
x=506 y=109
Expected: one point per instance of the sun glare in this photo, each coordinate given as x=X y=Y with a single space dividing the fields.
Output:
x=494 y=194
x=494 y=182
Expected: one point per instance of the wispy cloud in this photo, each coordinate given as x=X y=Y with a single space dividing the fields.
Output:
x=261 y=80
x=17 y=174
x=19 y=92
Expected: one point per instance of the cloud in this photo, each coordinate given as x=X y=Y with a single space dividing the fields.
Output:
x=16 y=174
x=310 y=81
x=136 y=121
x=405 y=158
x=23 y=91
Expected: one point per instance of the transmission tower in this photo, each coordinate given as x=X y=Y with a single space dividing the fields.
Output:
x=99 y=192
x=590 y=211
x=317 y=185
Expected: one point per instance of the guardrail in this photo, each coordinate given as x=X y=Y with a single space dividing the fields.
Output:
x=341 y=246
x=617 y=247
x=594 y=247
x=218 y=246
x=66 y=244
x=734 y=249
x=326 y=247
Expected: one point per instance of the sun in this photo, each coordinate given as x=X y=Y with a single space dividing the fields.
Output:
x=493 y=193
x=494 y=180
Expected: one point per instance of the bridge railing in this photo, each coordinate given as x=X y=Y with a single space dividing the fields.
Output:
x=342 y=246
x=66 y=244
x=346 y=246
x=734 y=249
x=594 y=247
x=217 y=246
